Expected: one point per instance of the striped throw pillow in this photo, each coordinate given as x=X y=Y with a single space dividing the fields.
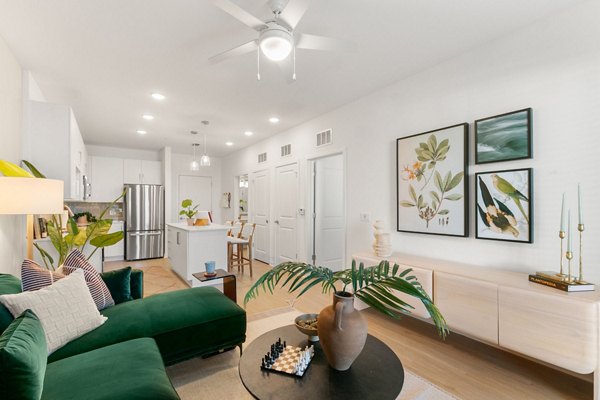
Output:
x=34 y=277
x=98 y=289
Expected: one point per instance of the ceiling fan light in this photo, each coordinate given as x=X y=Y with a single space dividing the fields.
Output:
x=276 y=44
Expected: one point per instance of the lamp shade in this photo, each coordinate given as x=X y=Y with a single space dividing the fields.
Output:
x=31 y=196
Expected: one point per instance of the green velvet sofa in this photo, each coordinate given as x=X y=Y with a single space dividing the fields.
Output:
x=125 y=358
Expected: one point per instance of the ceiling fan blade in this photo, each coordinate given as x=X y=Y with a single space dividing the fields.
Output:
x=314 y=42
x=236 y=51
x=294 y=11
x=240 y=14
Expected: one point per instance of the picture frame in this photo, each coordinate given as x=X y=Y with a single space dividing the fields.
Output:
x=432 y=185
x=501 y=211
x=504 y=137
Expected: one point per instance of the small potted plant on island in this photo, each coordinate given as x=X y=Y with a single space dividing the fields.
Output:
x=341 y=328
x=189 y=210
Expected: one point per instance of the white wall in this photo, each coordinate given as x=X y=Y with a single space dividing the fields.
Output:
x=12 y=228
x=552 y=66
x=180 y=165
x=123 y=152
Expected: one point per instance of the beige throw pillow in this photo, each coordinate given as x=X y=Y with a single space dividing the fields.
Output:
x=65 y=309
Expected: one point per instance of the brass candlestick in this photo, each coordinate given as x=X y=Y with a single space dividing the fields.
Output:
x=580 y=228
x=569 y=258
x=561 y=235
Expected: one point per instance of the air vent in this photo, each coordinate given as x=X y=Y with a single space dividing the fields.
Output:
x=286 y=150
x=262 y=157
x=324 y=138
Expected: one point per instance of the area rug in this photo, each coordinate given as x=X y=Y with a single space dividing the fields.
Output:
x=218 y=378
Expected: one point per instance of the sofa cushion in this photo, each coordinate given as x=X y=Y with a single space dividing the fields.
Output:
x=100 y=293
x=184 y=323
x=9 y=284
x=23 y=355
x=119 y=284
x=131 y=370
x=34 y=277
x=65 y=309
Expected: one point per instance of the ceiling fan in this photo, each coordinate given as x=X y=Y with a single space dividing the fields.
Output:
x=277 y=37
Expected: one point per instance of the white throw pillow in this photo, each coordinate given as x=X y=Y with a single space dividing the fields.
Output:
x=65 y=309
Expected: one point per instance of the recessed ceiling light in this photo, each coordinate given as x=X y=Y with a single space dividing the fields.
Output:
x=228 y=143
x=248 y=133
x=158 y=96
x=141 y=131
x=273 y=120
x=148 y=117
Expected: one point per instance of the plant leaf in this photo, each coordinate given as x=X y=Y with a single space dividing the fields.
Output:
x=33 y=169
x=412 y=193
x=454 y=197
x=455 y=181
x=437 y=178
x=12 y=170
x=109 y=239
x=435 y=196
x=405 y=203
x=443 y=212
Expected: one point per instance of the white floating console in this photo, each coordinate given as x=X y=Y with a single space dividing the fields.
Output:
x=504 y=309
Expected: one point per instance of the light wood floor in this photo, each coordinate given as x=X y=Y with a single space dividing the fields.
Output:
x=463 y=367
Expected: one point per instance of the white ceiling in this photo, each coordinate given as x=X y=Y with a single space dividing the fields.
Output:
x=105 y=58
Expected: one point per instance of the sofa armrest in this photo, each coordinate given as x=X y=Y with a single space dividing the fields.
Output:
x=137 y=283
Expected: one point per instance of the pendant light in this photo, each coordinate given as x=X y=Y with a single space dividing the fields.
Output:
x=194 y=165
x=205 y=159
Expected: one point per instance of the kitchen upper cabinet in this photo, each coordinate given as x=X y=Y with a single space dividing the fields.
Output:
x=56 y=146
x=142 y=171
x=107 y=178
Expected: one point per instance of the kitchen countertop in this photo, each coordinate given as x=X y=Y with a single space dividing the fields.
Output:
x=212 y=227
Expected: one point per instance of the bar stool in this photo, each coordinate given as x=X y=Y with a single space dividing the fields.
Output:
x=241 y=243
x=232 y=236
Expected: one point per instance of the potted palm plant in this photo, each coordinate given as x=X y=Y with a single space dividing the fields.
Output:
x=341 y=328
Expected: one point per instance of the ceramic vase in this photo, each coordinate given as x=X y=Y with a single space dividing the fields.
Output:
x=382 y=244
x=342 y=331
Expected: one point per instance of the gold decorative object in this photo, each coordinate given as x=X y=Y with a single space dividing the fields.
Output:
x=569 y=255
x=561 y=234
x=580 y=228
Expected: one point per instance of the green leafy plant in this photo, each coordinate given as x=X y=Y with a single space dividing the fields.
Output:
x=373 y=285
x=95 y=234
x=88 y=216
x=189 y=210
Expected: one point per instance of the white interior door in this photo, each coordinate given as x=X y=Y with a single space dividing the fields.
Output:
x=329 y=219
x=196 y=188
x=259 y=186
x=286 y=197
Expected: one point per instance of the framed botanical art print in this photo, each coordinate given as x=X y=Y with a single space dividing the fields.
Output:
x=504 y=205
x=503 y=137
x=431 y=182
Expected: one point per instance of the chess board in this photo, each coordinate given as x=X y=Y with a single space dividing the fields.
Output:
x=287 y=360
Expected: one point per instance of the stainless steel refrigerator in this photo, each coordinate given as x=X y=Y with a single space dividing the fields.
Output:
x=144 y=222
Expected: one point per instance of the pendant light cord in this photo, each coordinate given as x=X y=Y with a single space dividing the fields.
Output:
x=258 y=63
x=294 y=74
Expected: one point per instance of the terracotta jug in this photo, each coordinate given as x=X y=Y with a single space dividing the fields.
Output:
x=342 y=331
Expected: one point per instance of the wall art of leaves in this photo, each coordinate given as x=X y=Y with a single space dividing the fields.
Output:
x=431 y=182
x=504 y=205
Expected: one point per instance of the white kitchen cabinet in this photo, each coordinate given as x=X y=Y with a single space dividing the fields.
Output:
x=117 y=251
x=107 y=178
x=56 y=146
x=142 y=171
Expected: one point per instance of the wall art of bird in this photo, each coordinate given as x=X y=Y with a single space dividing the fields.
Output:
x=496 y=216
x=508 y=189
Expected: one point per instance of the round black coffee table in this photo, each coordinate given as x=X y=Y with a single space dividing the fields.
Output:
x=377 y=373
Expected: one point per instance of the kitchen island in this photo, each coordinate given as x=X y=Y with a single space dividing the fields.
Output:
x=190 y=247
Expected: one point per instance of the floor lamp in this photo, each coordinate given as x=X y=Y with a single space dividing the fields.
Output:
x=28 y=196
